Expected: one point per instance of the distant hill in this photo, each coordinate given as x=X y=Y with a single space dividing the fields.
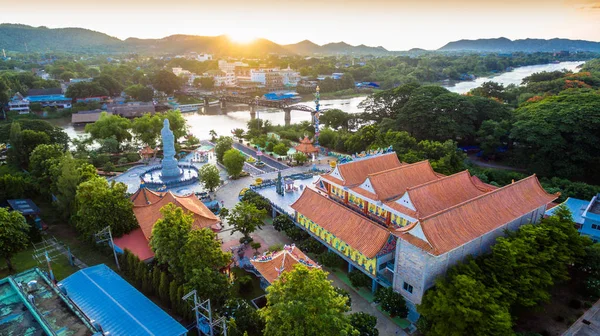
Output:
x=22 y=38
x=503 y=44
x=307 y=47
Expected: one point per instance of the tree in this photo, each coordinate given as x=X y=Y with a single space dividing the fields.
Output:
x=169 y=235
x=558 y=135
x=177 y=123
x=335 y=119
x=461 y=305
x=111 y=85
x=223 y=145
x=233 y=161
x=15 y=156
x=42 y=161
x=247 y=319
x=163 y=288
x=255 y=246
x=238 y=133
x=364 y=323
x=209 y=176
x=110 y=126
x=203 y=260
x=303 y=302
x=300 y=158
x=147 y=127
x=213 y=135
x=13 y=235
x=68 y=175
x=100 y=204
x=246 y=218
x=391 y=301
x=280 y=149
x=207 y=83
x=29 y=141
x=85 y=90
x=166 y=81
x=140 y=92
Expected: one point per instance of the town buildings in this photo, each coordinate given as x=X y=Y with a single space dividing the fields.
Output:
x=586 y=215
x=19 y=104
x=404 y=225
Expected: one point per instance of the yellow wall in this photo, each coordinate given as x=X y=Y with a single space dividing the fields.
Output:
x=339 y=192
x=378 y=211
x=370 y=265
x=357 y=201
x=399 y=221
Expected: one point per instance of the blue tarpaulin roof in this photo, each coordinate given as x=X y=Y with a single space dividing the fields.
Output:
x=24 y=206
x=117 y=306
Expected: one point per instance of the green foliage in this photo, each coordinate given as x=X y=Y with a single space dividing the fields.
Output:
x=257 y=200
x=223 y=145
x=85 y=90
x=344 y=293
x=280 y=149
x=391 y=301
x=247 y=319
x=246 y=218
x=140 y=92
x=99 y=204
x=108 y=167
x=255 y=246
x=300 y=158
x=557 y=136
x=166 y=81
x=364 y=323
x=303 y=302
x=67 y=176
x=147 y=127
x=209 y=176
x=207 y=83
x=108 y=126
x=169 y=234
x=16 y=186
x=13 y=235
x=275 y=247
x=330 y=259
x=336 y=119
x=233 y=161
x=163 y=288
x=359 y=279
x=478 y=296
x=282 y=223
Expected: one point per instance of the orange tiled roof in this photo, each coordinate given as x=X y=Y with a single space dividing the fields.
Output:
x=440 y=194
x=148 y=214
x=459 y=224
x=357 y=231
x=306 y=146
x=136 y=242
x=280 y=262
x=394 y=182
x=145 y=196
x=482 y=185
x=355 y=172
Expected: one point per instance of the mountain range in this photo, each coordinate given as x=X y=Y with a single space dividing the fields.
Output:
x=503 y=44
x=23 y=38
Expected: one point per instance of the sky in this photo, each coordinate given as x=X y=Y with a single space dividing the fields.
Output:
x=393 y=24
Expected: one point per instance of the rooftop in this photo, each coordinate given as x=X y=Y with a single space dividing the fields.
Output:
x=271 y=266
x=357 y=231
x=354 y=172
x=576 y=206
x=118 y=307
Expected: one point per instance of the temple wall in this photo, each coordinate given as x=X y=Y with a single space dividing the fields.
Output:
x=420 y=269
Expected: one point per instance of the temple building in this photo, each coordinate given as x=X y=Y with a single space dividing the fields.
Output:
x=404 y=225
x=306 y=146
x=271 y=266
x=146 y=208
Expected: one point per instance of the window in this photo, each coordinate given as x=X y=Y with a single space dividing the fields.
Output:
x=595 y=227
x=407 y=287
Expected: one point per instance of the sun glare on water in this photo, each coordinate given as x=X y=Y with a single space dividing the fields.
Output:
x=241 y=37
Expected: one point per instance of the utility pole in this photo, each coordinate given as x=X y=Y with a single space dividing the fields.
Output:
x=104 y=236
x=206 y=315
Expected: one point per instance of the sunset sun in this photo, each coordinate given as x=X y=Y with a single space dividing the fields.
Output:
x=242 y=37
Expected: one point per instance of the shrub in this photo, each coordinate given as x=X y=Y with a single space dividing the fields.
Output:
x=122 y=160
x=391 y=301
x=330 y=259
x=575 y=304
x=311 y=245
x=108 y=167
x=246 y=240
x=245 y=283
x=364 y=323
x=255 y=246
x=275 y=247
x=345 y=294
x=281 y=222
x=296 y=233
x=359 y=279
x=132 y=157
x=587 y=305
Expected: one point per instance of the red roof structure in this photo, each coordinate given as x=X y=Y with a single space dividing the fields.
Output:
x=146 y=208
x=355 y=172
x=454 y=226
x=359 y=232
x=272 y=266
x=305 y=146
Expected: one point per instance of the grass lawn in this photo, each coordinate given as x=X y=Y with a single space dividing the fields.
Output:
x=254 y=292
x=83 y=250
x=364 y=292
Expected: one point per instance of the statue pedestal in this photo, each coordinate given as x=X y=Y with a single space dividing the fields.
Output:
x=170 y=168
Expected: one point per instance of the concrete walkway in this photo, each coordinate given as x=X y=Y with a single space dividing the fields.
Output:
x=229 y=195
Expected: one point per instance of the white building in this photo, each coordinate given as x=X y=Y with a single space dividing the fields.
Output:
x=222 y=78
x=275 y=76
x=204 y=57
x=230 y=66
x=19 y=104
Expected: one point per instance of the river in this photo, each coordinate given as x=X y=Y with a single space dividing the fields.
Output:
x=236 y=116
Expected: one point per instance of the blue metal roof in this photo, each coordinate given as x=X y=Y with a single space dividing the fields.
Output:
x=117 y=306
x=576 y=206
x=24 y=206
